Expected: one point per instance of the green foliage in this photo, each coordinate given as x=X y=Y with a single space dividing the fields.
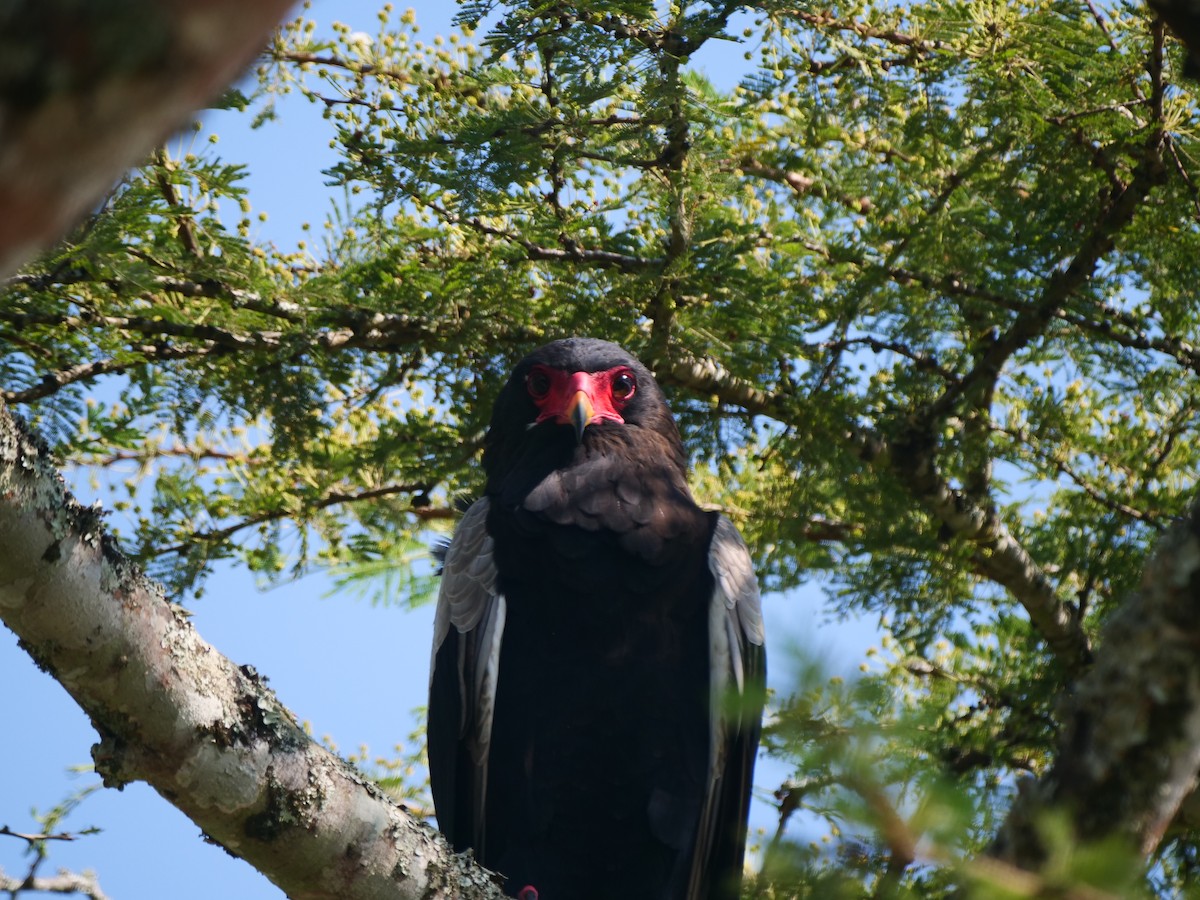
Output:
x=921 y=287
x=50 y=830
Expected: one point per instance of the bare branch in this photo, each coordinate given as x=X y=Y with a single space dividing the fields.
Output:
x=303 y=58
x=186 y=225
x=35 y=838
x=825 y=21
x=64 y=882
x=149 y=452
x=800 y=184
x=925 y=362
x=573 y=252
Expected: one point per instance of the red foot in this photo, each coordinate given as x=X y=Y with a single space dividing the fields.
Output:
x=529 y=892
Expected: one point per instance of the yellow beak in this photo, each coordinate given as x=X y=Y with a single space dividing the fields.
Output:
x=580 y=412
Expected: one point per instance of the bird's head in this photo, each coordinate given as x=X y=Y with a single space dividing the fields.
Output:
x=580 y=398
x=563 y=391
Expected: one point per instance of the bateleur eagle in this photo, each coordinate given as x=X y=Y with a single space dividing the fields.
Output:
x=598 y=665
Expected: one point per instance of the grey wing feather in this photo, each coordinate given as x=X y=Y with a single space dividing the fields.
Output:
x=736 y=674
x=736 y=589
x=470 y=603
x=468 y=576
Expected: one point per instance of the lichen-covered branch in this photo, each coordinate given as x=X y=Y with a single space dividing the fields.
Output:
x=173 y=712
x=1129 y=751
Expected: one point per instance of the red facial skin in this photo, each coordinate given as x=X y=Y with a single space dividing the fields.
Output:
x=580 y=398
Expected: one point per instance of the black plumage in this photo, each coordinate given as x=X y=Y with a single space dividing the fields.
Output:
x=598 y=662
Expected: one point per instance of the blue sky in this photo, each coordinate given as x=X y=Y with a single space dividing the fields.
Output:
x=354 y=671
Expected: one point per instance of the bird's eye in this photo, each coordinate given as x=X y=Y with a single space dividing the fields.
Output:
x=623 y=386
x=537 y=383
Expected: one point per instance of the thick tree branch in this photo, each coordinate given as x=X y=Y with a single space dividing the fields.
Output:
x=173 y=712
x=913 y=456
x=109 y=83
x=1129 y=751
x=706 y=376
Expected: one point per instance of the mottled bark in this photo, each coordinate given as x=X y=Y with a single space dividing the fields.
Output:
x=1129 y=750
x=171 y=711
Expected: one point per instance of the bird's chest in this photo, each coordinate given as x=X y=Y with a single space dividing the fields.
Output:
x=604 y=569
x=583 y=589
x=594 y=612
x=604 y=656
